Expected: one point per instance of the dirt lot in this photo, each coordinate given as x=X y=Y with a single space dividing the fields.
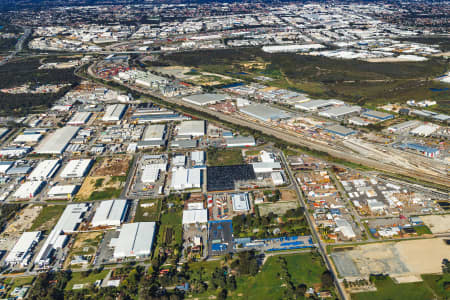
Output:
x=278 y=208
x=22 y=222
x=97 y=184
x=112 y=166
x=288 y=195
x=84 y=244
x=437 y=224
x=402 y=259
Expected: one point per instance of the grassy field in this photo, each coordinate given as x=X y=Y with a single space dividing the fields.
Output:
x=148 y=214
x=304 y=268
x=387 y=289
x=108 y=193
x=436 y=282
x=78 y=278
x=422 y=230
x=48 y=217
x=224 y=157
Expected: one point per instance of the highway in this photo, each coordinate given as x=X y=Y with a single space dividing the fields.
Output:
x=18 y=47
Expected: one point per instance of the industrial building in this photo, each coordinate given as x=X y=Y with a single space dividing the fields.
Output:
x=62 y=191
x=424 y=130
x=240 y=141
x=277 y=178
x=186 y=178
x=339 y=130
x=114 y=112
x=28 y=138
x=266 y=167
x=377 y=115
x=135 y=240
x=195 y=216
x=205 y=99
x=340 y=112
x=151 y=172
x=5 y=166
x=76 y=168
x=80 y=118
x=45 y=170
x=193 y=128
x=241 y=202
x=57 y=142
x=198 y=157
x=424 y=150
x=110 y=213
x=72 y=216
x=29 y=189
x=314 y=105
x=404 y=126
x=265 y=112
x=154 y=133
x=22 y=252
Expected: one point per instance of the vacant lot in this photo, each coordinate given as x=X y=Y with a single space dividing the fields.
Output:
x=48 y=217
x=85 y=244
x=112 y=166
x=437 y=224
x=100 y=188
x=279 y=208
x=148 y=211
x=217 y=157
x=80 y=278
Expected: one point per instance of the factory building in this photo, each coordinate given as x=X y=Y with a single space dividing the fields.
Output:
x=266 y=167
x=151 y=172
x=28 y=190
x=198 y=157
x=340 y=112
x=404 y=126
x=77 y=168
x=62 y=191
x=114 y=112
x=205 y=99
x=191 y=128
x=241 y=202
x=195 y=216
x=340 y=130
x=5 y=166
x=57 y=142
x=265 y=112
x=110 y=213
x=80 y=118
x=135 y=240
x=45 y=170
x=186 y=178
x=277 y=178
x=424 y=130
x=72 y=216
x=314 y=105
x=377 y=115
x=424 y=150
x=240 y=141
x=28 y=138
x=22 y=251
x=154 y=133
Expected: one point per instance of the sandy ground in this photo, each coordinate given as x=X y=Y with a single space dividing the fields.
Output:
x=278 y=208
x=115 y=166
x=288 y=195
x=89 y=186
x=404 y=260
x=21 y=223
x=437 y=224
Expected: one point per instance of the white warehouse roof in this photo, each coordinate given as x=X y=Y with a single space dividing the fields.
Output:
x=205 y=99
x=62 y=191
x=151 y=172
x=265 y=112
x=194 y=216
x=29 y=189
x=154 y=132
x=45 y=169
x=240 y=202
x=80 y=118
x=110 y=213
x=57 y=142
x=76 y=168
x=135 y=239
x=186 y=178
x=114 y=112
x=22 y=249
x=192 y=128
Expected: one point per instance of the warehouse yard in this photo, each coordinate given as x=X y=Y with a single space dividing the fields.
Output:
x=404 y=259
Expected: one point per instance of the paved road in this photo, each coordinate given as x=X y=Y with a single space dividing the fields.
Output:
x=19 y=46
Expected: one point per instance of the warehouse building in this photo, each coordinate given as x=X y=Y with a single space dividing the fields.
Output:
x=186 y=178
x=195 y=216
x=28 y=190
x=198 y=157
x=151 y=172
x=205 y=99
x=404 y=126
x=277 y=178
x=424 y=130
x=57 y=142
x=314 y=105
x=241 y=202
x=45 y=170
x=22 y=252
x=77 y=168
x=340 y=130
x=240 y=141
x=110 y=213
x=62 y=191
x=72 y=216
x=3 y=132
x=80 y=118
x=377 y=115
x=424 y=150
x=193 y=128
x=154 y=133
x=340 y=112
x=265 y=112
x=5 y=166
x=266 y=167
x=114 y=112
x=135 y=240
x=29 y=138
